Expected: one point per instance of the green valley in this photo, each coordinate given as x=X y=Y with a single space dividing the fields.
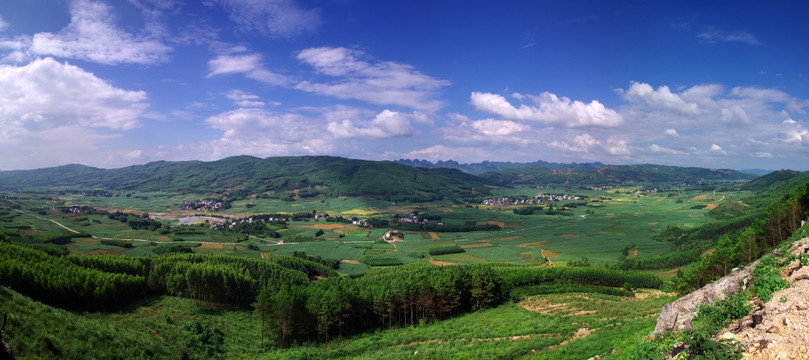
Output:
x=337 y=258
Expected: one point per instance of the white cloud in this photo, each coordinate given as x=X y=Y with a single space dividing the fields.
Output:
x=277 y=18
x=3 y=24
x=47 y=94
x=259 y=132
x=582 y=143
x=244 y=99
x=134 y=154
x=93 y=36
x=550 y=109
x=248 y=64
x=379 y=82
x=662 y=98
x=234 y=64
x=53 y=114
x=659 y=149
x=672 y=133
x=491 y=127
x=386 y=124
x=717 y=149
x=712 y=35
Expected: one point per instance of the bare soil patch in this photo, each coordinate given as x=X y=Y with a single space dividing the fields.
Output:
x=700 y=197
x=478 y=245
x=349 y=261
x=569 y=236
x=533 y=245
x=711 y=206
x=671 y=272
x=433 y=235
x=441 y=263
x=505 y=238
x=498 y=223
x=331 y=226
x=653 y=223
x=550 y=254
x=211 y=246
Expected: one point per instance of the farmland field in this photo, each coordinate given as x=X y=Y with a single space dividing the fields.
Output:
x=598 y=227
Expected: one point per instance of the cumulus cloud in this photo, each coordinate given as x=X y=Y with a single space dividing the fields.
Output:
x=276 y=18
x=386 y=124
x=46 y=94
x=260 y=132
x=549 y=109
x=582 y=143
x=93 y=36
x=716 y=149
x=378 y=82
x=53 y=113
x=662 y=98
x=672 y=133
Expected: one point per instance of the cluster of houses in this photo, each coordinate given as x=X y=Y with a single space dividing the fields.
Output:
x=205 y=205
x=78 y=210
x=557 y=197
x=536 y=200
x=412 y=219
x=229 y=224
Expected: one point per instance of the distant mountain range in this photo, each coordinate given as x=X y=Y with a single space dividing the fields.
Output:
x=310 y=176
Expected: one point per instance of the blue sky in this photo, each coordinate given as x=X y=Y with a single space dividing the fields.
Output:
x=111 y=84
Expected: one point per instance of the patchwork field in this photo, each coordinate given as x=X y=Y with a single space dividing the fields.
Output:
x=599 y=228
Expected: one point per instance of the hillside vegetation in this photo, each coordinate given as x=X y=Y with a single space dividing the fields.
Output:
x=611 y=174
x=243 y=175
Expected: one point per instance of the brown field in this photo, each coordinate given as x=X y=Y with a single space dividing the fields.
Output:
x=569 y=236
x=533 y=245
x=700 y=197
x=654 y=223
x=349 y=261
x=441 y=263
x=498 y=223
x=211 y=246
x=671 y=272
x=433 y=235
x=505 y=238
x=330 y=226
x=694 y=215
x=711 y=206
x=549 y=253
x=478 y=245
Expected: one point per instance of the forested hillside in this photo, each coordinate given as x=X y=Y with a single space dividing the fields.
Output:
x=243 y=175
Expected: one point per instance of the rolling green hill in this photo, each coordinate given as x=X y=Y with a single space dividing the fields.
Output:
x=244 y=175
x=611 y=174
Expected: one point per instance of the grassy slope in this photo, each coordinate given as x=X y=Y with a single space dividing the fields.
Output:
x=153 y=328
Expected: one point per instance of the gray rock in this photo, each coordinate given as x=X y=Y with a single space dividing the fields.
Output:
x=677 y=315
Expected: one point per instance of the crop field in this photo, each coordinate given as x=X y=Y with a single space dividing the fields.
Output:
x=598 y=227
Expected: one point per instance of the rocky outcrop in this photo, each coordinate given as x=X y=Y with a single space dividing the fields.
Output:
x=677 y=315
x=778 y=329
